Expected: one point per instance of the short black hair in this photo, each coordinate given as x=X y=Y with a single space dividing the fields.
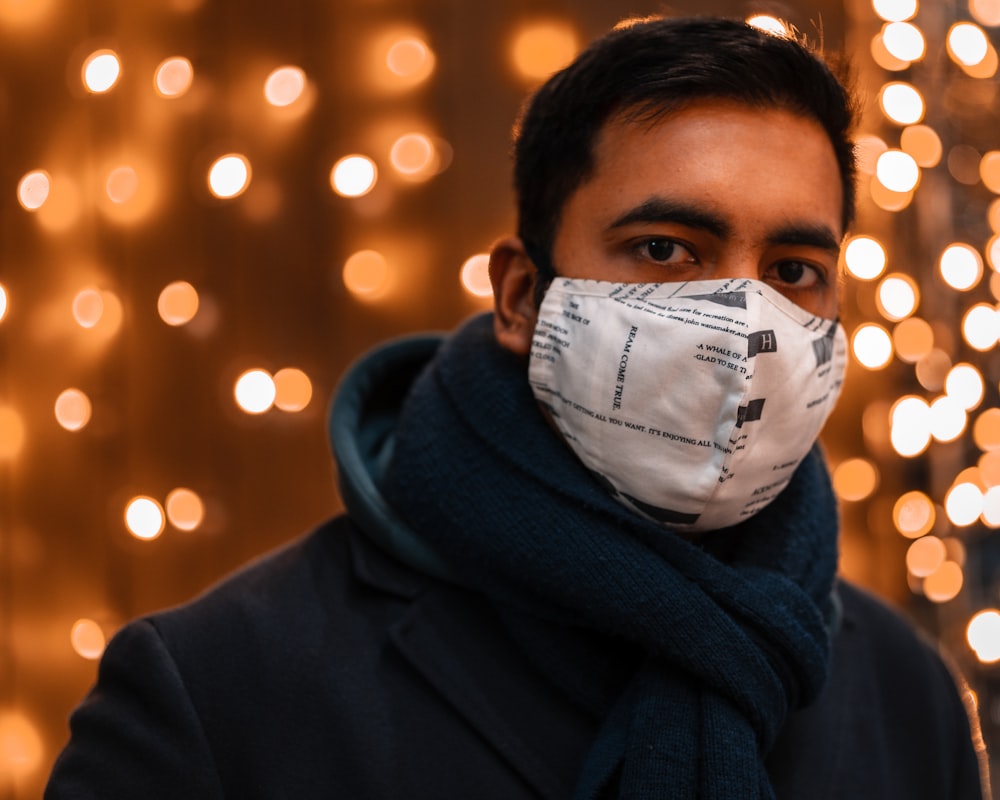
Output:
x=646 y=70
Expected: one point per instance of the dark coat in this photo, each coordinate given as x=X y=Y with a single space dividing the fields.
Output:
x=331 y=670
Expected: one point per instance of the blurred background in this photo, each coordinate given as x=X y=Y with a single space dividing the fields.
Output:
x=209 y=208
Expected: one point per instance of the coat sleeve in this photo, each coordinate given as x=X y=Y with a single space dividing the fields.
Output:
x=136 y=734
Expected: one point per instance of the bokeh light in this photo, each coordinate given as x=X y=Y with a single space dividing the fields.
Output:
x=178 y=303
x=122 y=184
x=88 y=307
x=914 y=514
x=981 y=326
x=913 y=339
x=184 y=509
x=986 y=12
x=910 y=426
x=986 y=430
x=963 y=504
x=540 y=48
x=33 y=189
x=173 y=77
x=21 y=748
x=768 y=24
x=855 y=479
x=101 y=71
x=414 y=156
x=254 y=391
x=3 y=303
x=983 y=635
x=284 y=86
x=967 y=43
x=904 y=41
x=410 y=59
x=961 y=266
x=897 y=171
x=367 y=275
x=925 y=555
x=872 y=346
x=897 y=296
x=12 y=432
x=292 y=389
x=948 y=419
x=864 y=257
x=144 y=518
x=73 y=409
x=229 y=176
x=87 y=639
x=902 y=103
x=965 y=384
x=923 y=143
x=353 y=176
x=944 y=583
x=895 y=10
x=475 y=275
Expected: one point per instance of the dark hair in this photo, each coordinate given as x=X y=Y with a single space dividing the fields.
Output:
x=647 y=69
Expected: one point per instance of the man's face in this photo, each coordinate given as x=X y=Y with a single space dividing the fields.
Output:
x=714 y=190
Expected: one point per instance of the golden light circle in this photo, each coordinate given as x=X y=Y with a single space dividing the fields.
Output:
x=944 y=583
x=12 y=432
x=855 y=479
x=539 y=49
x=986 y=12
x=989 y=171
x=33 y=189
x=914 y=515
x=963 y=504
x=292 y=389
x=178 y=303
x=881 y=55
x=913 y=339
x=864 y=257
x=961 y=266
x=87 y=639
x=910 y=426
x=101 y=71
x=122 y=184
x=983 y=631
x=88 y=307
x=144 y=518
x=867 y=149
x=897 y=296
x=411 y=59
x=173 y=77
x=932 y=369
x=21 y=748
x=986 y=430
x=73 y=409
x=872 y=346
x=475 y=275
x=895 y=10
x=904 y=41
x=229 y=176
x=925 y=556
x=965 y=384
x=284 y=86
x=353 y=176
x=981 y=326
x=902 y=103
x=3 y=302
x=254 y=391
x=413 y=155
x=367 y=275
x=185 y=509
x=897 y=171
x=948 y=419
x=768 y=24
x=967 y=43
x=923 y=143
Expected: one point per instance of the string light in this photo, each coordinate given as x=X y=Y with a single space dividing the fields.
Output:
x=101 y=71
x=475 y=275
x=144 y=518
x=229 y=176
x=185 y=509
x=353 y=176
x=254 y=391
x=539 y=49
x=173 y=77
x=284 y=86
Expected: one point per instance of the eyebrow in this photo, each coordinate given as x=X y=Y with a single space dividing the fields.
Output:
x=659 y=209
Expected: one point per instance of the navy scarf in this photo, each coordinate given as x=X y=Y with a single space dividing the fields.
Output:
x=731 y=632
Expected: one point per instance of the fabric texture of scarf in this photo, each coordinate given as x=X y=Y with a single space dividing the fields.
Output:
x=731 y=632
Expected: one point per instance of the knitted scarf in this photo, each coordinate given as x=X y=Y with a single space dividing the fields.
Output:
x=731 y=631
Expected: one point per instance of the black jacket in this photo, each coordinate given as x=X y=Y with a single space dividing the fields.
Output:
x=330 y=669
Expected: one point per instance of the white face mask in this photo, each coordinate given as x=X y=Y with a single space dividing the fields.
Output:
x=695 y=401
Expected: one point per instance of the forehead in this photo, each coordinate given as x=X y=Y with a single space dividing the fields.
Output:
x=715 y=150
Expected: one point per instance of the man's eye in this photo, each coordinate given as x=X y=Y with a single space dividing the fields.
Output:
x=797 y=274
x=665 y=250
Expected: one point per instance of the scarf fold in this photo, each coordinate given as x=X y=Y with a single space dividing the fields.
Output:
x=731 y=632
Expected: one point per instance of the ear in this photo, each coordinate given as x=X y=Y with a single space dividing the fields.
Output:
x=513 y=275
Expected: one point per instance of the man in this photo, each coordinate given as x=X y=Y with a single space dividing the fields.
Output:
x=590 y=545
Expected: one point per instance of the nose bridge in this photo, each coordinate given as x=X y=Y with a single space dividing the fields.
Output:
x=738 y=259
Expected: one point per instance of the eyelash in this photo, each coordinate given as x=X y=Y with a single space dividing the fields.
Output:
x=640 y=249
